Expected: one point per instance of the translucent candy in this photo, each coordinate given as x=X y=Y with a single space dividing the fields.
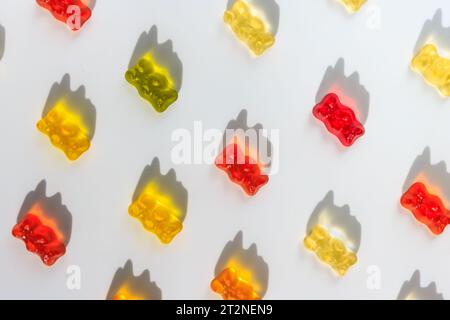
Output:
x=248 y=28
x=66 y=131
x=331 y=251
x=39 y=239
x=353 y=5
x=339 y=119
x=153 y=83
x=233 y=287
x=157 y=214
x=434 y=68
x=426 y=208
x=241 y=169
x=74 y=13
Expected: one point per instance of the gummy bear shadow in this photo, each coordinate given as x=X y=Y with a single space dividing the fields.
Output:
x=75 y=100
x=435 y=175
x=2 y=41
x=434 y=32
x=411 y=290
x=335 y=218
x=90 y=3
x=240 y=127
x=247 y=258
x=51 y=207
x=140 y=285
x=162 y=53
x=269 y=10
x=350 y=91
x=167 y=185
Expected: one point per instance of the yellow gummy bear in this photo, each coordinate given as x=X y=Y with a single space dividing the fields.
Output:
x=66 y=131
x=330 y=250
x=157 y=214
x=353 y=5
x=248 y=28
x=434 y=68
x=153 y=83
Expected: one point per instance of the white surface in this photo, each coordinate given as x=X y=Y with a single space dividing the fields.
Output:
x=220 y=78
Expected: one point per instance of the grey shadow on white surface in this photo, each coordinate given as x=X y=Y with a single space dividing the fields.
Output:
x=412 y=290
x=91 y=4
x=163 y=53
x=241 y=127
x=435 y=174
x=167 y=184
x=140 y=285
x=2 y=41
x=76 y=100
x=349 y=89
x=433 y=31
x=52 y=207
x=338 y=219
x=270 y=10
x=249 y=258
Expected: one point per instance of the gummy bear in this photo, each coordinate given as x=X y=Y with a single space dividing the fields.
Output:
x=66 y=131
x=330 y=250
x=125 y=294
x=248 y=28
x=434 y=68
x=241 y=169
x=339 y=119
x=153 y=83
x=426 y=208
x=157 y=214
x=231 y=286
x=67 y=11
x=39 y=239
x=353 y=5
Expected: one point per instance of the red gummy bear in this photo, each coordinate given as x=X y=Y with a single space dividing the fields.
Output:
x=426 y=207
x=39 y=239
x=339 y=119
x=241 y=169
x=63 y=10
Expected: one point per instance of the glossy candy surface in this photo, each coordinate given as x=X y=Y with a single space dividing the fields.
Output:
x=66 y=131
x=39 y=239
x=330 y=250
x=153 y=83
x=248 y=28
x=353 y=5
x=339 y=119
x=74 y=13
x=232 y=287
x=157 y=214
x=426 y=208
x=434 y=68
x=241 y=169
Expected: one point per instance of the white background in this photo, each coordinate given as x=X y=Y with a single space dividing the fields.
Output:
x=220 y=78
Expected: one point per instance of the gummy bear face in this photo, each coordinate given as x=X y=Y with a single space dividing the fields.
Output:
x=153 y=83
x=39 y=239
x=157 y=215
x=231 y=287
x=340 y=120
x=241 y=169
x=330 y=250
x=434 y=68
x=66 y=131
x=426 y=208
x=63 y=10
x=248 y=28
